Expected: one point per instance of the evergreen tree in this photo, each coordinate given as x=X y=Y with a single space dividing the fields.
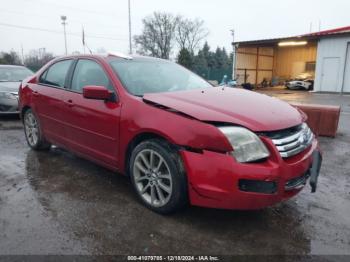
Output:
x=185 y=58
x=200 y=65
x=208 y=64
x=206 y=51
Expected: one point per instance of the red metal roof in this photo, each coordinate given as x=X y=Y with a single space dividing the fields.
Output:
x=309 y=36
x=339 y=30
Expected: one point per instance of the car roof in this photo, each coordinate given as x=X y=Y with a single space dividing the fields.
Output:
x=112 y=55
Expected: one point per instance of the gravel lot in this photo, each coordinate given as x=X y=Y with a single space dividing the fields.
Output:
x=57 y=203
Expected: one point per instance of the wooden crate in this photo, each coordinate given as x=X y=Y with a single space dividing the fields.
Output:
x=322 y=119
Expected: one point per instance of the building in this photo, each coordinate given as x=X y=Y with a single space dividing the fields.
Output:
x=324 y=55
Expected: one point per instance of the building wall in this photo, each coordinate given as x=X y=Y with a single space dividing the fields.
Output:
x=333 y=49
x=254 y=63
x=290 y=61
x=281 y=63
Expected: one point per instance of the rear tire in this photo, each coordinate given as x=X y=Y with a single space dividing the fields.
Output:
x=158 y=176
x=33 y=133
x=311 y=87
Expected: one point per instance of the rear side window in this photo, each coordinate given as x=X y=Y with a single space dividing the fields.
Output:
x=56 y=74
x=88 y=72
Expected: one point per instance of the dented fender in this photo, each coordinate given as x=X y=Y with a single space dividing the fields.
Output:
x=176 y=128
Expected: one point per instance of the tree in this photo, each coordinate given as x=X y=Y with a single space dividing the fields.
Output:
x=185 y=58
x=11 y=58
x=189 y=34
x=213 y=65
x=158 y=35
x=218 y=57
x=200 y=65
x=35 y=60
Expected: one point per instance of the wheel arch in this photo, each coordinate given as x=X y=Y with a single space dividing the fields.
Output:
x=23 y=110
x=136 y=140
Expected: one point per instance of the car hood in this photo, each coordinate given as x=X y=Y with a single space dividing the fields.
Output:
x=9 y=86
x=255 y=111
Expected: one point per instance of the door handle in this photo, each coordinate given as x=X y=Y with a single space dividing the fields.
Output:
x=70 y=103
x=36 y=93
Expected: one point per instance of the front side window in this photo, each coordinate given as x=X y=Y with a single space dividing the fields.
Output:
x=143 y=75
x=56 y=74
x=89 y=73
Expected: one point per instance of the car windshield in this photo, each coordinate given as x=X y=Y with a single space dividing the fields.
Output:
x=141 y=76
x=14 y=74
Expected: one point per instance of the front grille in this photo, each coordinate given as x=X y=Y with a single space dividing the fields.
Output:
x=293 y=141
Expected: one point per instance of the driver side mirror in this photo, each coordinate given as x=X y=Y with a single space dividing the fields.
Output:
x=98 y=93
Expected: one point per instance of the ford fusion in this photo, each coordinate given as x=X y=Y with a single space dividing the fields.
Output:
x=10 y=78
x=180 y=140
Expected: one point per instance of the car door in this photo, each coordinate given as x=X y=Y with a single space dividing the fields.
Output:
x=92 y=125
x=48 y=100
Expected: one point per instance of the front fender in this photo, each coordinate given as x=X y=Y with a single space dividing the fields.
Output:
x=138 y=117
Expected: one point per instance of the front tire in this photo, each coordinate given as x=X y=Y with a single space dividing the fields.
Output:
x=158 y=176
x=34 y=136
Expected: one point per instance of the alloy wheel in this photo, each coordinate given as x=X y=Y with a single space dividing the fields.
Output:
x=152 y=177
x=31 y=128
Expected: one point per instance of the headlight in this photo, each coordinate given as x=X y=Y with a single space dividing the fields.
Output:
x=7 y=95
x=247 y=146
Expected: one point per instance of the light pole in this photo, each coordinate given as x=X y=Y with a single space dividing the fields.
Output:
x=64 y=18
x=233 y=55
x=130 y=46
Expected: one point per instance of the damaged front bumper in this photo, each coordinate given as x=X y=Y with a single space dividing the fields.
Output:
x=216 y=180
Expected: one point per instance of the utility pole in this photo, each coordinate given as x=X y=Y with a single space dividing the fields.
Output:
x=233 y=55
x=130 y=45
x=42 y=52
x=22 y=54
x=64 y=18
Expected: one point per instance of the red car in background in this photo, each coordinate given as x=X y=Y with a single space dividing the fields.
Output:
x=179 y=139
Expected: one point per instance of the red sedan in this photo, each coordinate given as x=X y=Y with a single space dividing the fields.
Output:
x=179 y=139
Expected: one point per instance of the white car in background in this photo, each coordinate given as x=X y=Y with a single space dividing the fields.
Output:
x=304 y=81
x=10 y=78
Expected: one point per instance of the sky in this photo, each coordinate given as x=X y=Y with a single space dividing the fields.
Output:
x=34 y=24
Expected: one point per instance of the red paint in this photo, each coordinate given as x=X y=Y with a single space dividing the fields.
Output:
x=255 y=111
x=97 y=92
x=102 y=131
x=339 y=30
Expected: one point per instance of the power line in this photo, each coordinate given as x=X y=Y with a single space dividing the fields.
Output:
x=77 y=9
x=50 y=17
x=59 y=32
